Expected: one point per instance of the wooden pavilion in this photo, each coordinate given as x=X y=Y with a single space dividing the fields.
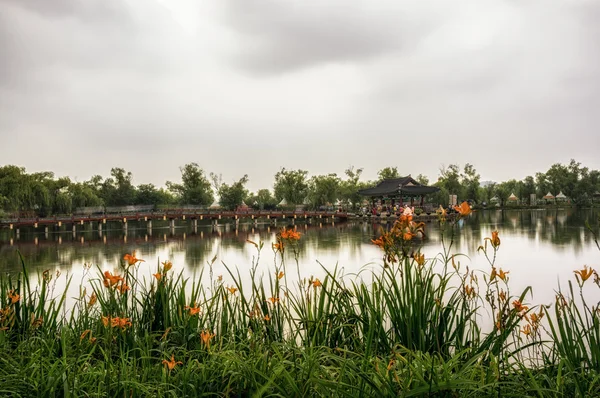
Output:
x=398 y=191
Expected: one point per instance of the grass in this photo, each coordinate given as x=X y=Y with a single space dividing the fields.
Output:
x=410 y=329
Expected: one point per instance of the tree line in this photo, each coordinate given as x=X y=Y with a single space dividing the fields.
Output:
x=44 y=194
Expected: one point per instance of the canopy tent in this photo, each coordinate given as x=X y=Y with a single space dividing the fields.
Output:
x=283 y=202
x=513 y=197
x=561 y=196
x=243 y=205
x=548 y=196
x=215 y=205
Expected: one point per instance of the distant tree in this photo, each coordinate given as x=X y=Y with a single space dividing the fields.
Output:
x=528 y=188
x=195 y=188
x=262 y=200
x=83 y=195
x=489 y=191
x=349 y=188
x=422 y=179
x=449 y=184
x=148 y=194
x=387 y=173
x=118 y=190
x=291 y=185
x=232 y=196
x=324 y=189
x=469 y=180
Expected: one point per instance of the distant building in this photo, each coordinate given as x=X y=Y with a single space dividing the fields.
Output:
x=398 y=191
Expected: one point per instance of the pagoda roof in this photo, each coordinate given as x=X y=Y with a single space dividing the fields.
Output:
x=393 y=186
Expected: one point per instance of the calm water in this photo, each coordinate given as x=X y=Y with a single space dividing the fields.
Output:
x=540 y=248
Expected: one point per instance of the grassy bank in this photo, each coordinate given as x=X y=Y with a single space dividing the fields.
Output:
x=413 y=328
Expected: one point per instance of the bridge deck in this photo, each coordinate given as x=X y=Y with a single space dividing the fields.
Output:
x=171 y=214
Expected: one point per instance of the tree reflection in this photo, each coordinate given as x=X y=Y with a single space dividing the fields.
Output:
x=562 y=228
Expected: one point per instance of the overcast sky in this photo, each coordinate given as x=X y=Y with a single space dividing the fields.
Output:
x=250 y=86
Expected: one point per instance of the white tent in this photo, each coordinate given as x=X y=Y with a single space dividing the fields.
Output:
x=513 y=197
x=561 y=196
x=283 y=202
x=548 y=196
x=215 y=205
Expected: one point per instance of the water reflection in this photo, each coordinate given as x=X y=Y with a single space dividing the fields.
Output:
x=542 y=246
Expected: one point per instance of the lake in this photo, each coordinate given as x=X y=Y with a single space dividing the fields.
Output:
x=539 y=247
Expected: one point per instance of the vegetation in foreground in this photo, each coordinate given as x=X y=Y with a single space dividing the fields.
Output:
x=412 y=329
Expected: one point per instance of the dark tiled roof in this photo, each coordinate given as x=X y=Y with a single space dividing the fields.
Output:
x=392 y=186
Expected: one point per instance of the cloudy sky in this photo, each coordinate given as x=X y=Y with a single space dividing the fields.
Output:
x=250 y=86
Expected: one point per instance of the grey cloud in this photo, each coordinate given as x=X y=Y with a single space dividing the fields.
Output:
x=280 y=36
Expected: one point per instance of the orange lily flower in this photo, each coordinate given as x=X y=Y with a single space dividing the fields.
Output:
x=519 y=307
x=14 y=297
x=526 y=330
x=419 y=258
x=464 y=209
x=289 y=234
x=503 y=275
x=123 y=288
x=469 y=290
x=158 y=275
x=194 y=310
x=232 y=290
x=495 y=239
x=584 y=273
x=167 y=265
x=93 y=299
x=132 y=259
x=273 y=300
x=317 y=283
x=105 y=321
x=252 y=242
x=110 y=280
x=278 y=246
x=84 y=334
x=122 y=323
x=171 y=364
x=441 y=212
x=267 y=317
x=502 y=295
x=206 y=336
x=280 y=275
x=407 y=236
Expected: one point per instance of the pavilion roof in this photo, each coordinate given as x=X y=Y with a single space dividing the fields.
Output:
x=392 y=187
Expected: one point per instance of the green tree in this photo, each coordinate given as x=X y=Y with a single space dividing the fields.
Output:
x=291 y=185
x=449 y=184
x=349 y=188
x=528 y=188
x=148 y=194
x=83 y=195
x=323 y=189
x=195 y=188
x=422 y=179
x=262 y=200
x=232 y=196
x=387 y=173
x=469 y=181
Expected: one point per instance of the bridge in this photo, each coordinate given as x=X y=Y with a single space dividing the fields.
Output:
x=194 y=215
